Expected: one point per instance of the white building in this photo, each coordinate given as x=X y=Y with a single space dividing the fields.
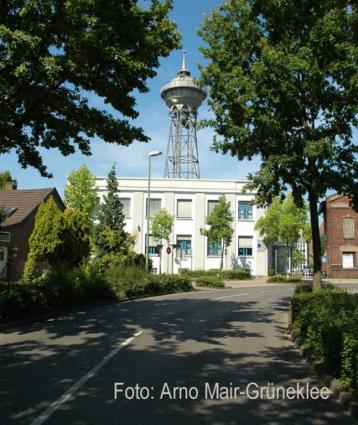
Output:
x=190 y=201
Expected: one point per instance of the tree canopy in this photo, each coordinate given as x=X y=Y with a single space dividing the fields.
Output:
x=80 y=191
x=219 y=224
x=161 y=227
x=5 y=177
x=284 y=222
x=55 y=56
x=57 y=238
x=283 y=84
x=110 y=235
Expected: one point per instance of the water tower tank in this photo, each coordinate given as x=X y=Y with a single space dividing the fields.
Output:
x=183 y=98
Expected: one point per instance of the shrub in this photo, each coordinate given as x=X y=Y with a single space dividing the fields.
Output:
x=236 y=274
x=159 y=285
x=271 y=272
x=210 y=281
x=349 y=371
x=59 y=288
x=284 y=279
x=198 y=273
x=327 y=321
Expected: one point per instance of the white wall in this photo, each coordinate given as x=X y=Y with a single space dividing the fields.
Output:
x=200 y=192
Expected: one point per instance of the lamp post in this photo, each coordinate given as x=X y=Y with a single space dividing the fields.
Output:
x=150 y=155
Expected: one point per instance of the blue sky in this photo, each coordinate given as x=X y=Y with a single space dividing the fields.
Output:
x=132 y=161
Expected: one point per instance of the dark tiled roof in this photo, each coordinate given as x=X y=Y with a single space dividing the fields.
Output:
x=25 y=201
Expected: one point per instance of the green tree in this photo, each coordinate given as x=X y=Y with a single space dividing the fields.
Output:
x=75 y=235
x=55 y=56
x=45 y=240
x=282 y=80
x=80 y=192
x=57 y=238
x=283 y=222
x=2 y=215
x=161 y=227
x=297 y=257
x=5 y=177
x=219 y=224
x=111 y=237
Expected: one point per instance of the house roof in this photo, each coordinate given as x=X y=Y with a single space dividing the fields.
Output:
x=23 y=202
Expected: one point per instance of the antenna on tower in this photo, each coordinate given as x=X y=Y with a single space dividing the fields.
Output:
x=183 y=98
x=183 y=67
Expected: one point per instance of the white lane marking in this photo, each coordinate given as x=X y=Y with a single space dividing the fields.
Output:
x=90 y=374
x=230 y=296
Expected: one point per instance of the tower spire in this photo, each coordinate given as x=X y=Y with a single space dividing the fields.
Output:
x=183 y=67
x=183 y=98
x=183 y=72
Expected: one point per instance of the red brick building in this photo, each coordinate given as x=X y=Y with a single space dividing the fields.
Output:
x=20 y=209
x=340 y=227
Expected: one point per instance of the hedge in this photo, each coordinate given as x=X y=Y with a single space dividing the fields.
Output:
x=211 y=281
x=61 y=289
x=284 y=279
x=235 y=274
x=327 y=322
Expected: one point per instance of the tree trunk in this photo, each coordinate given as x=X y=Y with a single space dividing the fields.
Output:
x=316 y=239
x=160 y=256
x=287 y=259
x=222 y=255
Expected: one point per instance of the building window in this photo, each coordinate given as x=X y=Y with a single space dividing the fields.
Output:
x=214 y=249
x=4 y=236
x=184 y=208
x=211 y=205
x=185 y=245
x=348 y=260
x=245 y=210
x=126 y=204
x=155 y=205
x=348 y=228
x=153 y=245
x=245 y=246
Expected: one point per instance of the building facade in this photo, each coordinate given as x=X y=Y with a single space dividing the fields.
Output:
x=281 y=263
x=20 y=211
x=340 y=234
x=190 y=201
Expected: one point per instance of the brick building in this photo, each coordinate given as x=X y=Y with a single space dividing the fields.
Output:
x=340 y=228
x=20 y=210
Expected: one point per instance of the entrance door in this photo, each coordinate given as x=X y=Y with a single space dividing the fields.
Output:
x=281 y=263
x=3 y=260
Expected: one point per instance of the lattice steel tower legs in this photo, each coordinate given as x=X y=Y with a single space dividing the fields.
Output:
x=183 y=98
x=182 y=160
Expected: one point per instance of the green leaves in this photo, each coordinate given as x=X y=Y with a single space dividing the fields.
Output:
x=55 y=56
x=161 y=225
x=80 y=193
x=5 y=177
x=283 y=222
x=219 y=224
x=282 y=78
x=110 y=235
x=57 y=238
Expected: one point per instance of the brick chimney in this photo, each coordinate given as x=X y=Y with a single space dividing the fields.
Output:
x=11 y=185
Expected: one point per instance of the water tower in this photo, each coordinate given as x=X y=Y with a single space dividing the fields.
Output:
x=183 y=98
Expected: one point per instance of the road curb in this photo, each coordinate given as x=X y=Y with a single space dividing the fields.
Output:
x=347 y=400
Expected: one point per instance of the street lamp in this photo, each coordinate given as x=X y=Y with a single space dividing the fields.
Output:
x=150 y=155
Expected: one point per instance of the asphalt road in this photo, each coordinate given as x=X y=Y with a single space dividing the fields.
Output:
x=63 y=371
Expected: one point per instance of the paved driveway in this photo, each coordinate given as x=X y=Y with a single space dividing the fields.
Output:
x=63 y=371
